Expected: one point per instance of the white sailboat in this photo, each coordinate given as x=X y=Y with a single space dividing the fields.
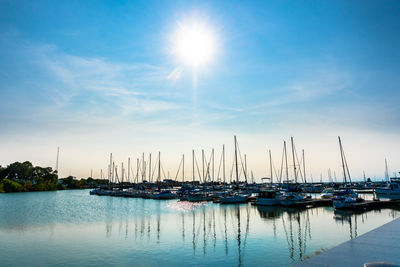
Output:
x=294 y=196
x=346 y=198
x=235 y=197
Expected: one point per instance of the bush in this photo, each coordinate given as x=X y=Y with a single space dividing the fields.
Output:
x=11 y=186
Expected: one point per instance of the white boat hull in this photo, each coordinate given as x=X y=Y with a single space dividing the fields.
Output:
x=344 y=203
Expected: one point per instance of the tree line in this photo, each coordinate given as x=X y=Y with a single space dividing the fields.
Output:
x=24 y=177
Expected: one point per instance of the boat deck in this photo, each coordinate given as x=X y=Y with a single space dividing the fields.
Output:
x=381 y=244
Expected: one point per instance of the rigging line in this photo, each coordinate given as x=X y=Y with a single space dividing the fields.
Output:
x=208 y=172
x=273 y=167
x=347 y=167
x=116 y=173
x=208 y=167
x=297 y=159
x=179 y=168
x=241 y=161
x=198 y=170
x=281 y=173
x=155 y=167
x=219 y=168
x=162 y=168
x=233 y=165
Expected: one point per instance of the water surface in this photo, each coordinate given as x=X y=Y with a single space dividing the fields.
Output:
x=75 y=228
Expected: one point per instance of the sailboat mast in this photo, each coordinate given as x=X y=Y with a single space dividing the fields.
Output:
x=202 y=162
x=304 y=167
x=193 y=165
x=294 y=161
x=137 y=170
x=112 y=176
x=236 y=162
x=143 y=169
x=150 y=178
x=159 y=167
x=344 y=167
x=213 y=172
x=223 y=160
x=183 y=168
x=245 y=167
x=58 y=154
x=386 y=171
x=287 y=169
x=129 y=170
x=122 y=175
x=110 y=169
x=270 y=166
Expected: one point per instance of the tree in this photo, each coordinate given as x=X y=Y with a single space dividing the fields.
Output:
x=11 y=186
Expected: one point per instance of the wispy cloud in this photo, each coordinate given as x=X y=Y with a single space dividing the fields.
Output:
x=83 y=89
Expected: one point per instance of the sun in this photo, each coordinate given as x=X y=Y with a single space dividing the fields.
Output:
x=194 y=44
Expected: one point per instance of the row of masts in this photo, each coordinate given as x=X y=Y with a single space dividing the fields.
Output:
x=145 y=171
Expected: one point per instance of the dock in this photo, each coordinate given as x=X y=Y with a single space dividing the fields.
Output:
x=374 y=204
x=379 y=245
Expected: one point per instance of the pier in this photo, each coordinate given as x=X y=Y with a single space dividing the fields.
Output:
x=379 y=245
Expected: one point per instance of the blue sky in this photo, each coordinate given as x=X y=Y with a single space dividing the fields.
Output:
x=95 y=77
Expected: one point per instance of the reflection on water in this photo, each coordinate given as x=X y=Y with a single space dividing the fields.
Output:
x=128 y=231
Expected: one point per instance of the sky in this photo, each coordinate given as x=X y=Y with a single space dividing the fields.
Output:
x=95 y=77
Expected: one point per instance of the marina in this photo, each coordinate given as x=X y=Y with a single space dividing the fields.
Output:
x=199 y=133
x=157 y=232
x=281 y=192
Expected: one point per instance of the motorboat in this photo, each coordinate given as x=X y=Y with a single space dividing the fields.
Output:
x=268 y=198
x=393 y=189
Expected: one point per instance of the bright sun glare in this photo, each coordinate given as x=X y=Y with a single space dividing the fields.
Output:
x=195 y=44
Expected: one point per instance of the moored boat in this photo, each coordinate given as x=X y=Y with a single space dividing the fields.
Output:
x=393 y=189
x=345 y=199
x=164 y=194
x=268 y=198
x=327 y=193
x=234 y=198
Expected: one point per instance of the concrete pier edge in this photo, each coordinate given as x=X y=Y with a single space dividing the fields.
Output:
x=380 y=244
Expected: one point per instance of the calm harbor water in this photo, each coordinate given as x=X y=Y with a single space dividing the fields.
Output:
x=75 y=228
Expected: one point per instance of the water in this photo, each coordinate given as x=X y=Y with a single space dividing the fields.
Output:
x=74 y=228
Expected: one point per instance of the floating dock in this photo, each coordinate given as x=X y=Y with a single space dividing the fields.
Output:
x=373 y=204
x=379 y=245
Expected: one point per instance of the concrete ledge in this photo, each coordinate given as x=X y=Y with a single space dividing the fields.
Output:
x=380 y=244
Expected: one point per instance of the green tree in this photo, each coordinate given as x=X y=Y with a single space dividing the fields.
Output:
x=8 y=185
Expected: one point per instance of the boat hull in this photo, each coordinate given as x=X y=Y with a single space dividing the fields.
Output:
x=233 y=199
x=268 y=201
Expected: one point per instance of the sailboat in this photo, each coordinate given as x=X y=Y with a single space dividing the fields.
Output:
x=235 y=197
x=392 y=190
x=294 y=196
x=269 y=197
x=346 y=198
